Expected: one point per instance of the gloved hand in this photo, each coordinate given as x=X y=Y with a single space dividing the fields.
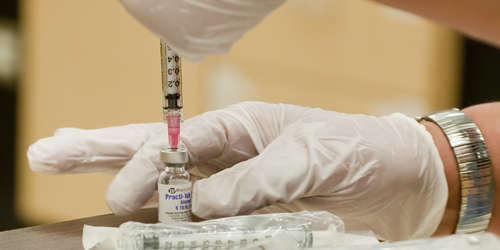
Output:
x=381 y=174
x=198 y=28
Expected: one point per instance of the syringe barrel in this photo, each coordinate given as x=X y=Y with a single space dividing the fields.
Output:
x=171 y=71
x=235 y=232
x=217 y=238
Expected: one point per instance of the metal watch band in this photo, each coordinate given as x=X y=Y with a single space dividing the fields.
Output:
x=474 y=165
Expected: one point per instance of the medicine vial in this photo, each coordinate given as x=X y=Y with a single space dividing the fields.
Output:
x=174 y=187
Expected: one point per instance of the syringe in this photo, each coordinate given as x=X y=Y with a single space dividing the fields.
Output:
x=306 y=229
x=221 y=237
x=215 y=238
x=172 y=92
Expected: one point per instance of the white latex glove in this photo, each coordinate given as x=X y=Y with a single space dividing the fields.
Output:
x=381 y=174
x=198 y=28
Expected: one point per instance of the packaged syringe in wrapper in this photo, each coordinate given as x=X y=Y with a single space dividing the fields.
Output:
x=305 y=229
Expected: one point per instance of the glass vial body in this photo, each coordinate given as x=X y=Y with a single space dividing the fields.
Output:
x=174 y=187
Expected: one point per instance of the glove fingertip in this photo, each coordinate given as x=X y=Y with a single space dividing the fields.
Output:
x=118 y=205
x=217 y=197
x=206 y=205
x=130 y=190
x=41 y=162
x=209 y=210
x=118 y=209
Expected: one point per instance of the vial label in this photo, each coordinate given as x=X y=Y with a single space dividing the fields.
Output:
x=174 y=202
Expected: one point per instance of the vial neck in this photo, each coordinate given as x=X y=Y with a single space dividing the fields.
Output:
x=176 y=168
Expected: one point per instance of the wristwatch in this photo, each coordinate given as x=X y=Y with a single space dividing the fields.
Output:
x=474 y=165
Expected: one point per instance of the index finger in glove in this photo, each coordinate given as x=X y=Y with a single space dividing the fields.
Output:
x=81 y=151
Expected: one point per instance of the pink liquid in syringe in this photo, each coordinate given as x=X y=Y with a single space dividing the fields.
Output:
x=174 y=128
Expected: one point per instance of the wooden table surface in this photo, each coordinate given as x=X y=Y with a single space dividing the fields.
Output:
x=68 y=234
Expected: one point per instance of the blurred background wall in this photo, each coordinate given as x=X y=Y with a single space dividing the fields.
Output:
x=88 y=64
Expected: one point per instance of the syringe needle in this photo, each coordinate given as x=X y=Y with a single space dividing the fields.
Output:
x=172 y=92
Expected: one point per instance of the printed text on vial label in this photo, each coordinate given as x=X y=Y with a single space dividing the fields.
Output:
x=174 y=203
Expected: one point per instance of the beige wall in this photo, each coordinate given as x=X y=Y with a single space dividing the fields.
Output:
x=351 y=56
x=88 y=64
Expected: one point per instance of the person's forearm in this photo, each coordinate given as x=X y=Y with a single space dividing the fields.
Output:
x=477 y=18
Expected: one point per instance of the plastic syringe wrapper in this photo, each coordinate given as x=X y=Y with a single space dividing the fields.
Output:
x=305 y=229
x=477 y=241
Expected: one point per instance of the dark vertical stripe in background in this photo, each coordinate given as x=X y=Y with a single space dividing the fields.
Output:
x=481 y=73
x=8 y=9
x=8 y=220
x=7 y=170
